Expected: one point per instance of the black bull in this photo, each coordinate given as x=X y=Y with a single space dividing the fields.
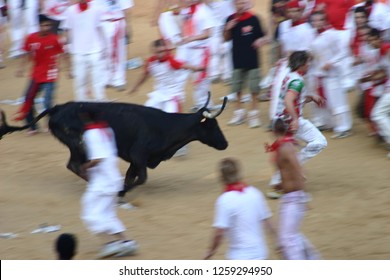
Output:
x=144 y=136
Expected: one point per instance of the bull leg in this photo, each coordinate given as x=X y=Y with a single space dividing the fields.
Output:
x=130 y=178
x=134 y=177
x=75 y=167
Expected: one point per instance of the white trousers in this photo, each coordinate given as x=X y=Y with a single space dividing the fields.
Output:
x=294 y=244
x=221 y=63
x=336 y=112
x=156 y=100
x=21 y=23
x=195 y=57
x=381 y=116
x=98 y=212
x=83 y=64
x=315 y=140
x=115 y=33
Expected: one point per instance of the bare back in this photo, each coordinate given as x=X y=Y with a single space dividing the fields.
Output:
x=290 y=168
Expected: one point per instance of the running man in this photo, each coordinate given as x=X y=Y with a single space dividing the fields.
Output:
x=293 y=244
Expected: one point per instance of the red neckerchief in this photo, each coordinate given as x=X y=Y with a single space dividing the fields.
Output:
x=384 y=48
x=298 y=22
x=192 y=9
x=83 y=6
x=276 y=145
x=243 y=16
x=96 y=125
x=238 y=187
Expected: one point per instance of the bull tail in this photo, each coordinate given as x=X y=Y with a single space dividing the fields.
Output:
x=6 y=129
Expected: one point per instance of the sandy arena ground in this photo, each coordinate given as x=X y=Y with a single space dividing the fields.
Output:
x=349 y=182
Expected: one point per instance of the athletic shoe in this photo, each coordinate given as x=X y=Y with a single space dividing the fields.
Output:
x=274 y=194
x=129 y=248
x=388 y=155
x=125 y=206
x=111 y=249
x=340 y=135
x=32 y=132
x=254 y=119
x=238 y=117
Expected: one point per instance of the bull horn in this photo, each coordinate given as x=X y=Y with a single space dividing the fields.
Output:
x=216 y=114
x=208 y=100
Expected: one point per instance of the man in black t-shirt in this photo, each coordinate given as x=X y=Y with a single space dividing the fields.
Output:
x=244 y=29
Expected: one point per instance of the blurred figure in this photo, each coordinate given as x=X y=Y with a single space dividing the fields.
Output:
x=23 y=20
x=83 y=32
x=42 y=49
x=163 y=67
x=245 y=31
x=116 y=27
x=290 y=104
x=240 y=214
x=197 y=27
x=98 y=204
x=66 y=246
x=293 y=203
x=328 y=52
x=220 y=67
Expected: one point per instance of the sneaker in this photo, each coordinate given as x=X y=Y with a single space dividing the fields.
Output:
x=340 y=135
x=120 y=88
x=111 y=249
x=274 y=194
x=32 y=132
x=254 y=119
x=238 y=117
x=129 y=248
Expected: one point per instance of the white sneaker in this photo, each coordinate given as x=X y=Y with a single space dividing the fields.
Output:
x=254 y=119
x=340 y=135
x=238 y=117
x=110 y=249
x=129 y=248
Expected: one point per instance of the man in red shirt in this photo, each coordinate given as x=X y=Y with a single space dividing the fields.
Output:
x=43 y=49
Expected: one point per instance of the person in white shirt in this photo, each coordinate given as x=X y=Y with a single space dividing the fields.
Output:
x=23 y=20
x=328 y=53
x=221 y=66
x=87 y=46
x=116 y=26
x=98 y=204
x=194 y=48
x=240 y=214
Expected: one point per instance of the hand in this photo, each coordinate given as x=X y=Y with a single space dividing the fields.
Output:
x=318 y=100
x=231 y=24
